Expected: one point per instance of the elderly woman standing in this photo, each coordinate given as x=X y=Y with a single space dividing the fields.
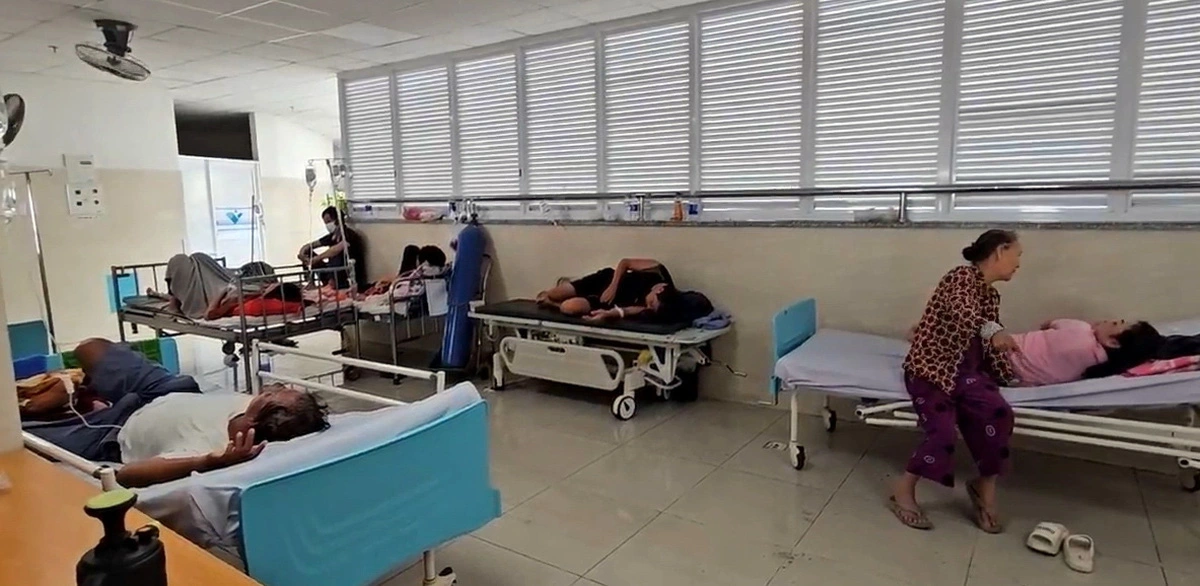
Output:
x=953 y=373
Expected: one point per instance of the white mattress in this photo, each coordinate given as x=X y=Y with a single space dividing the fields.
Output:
x=204 y=507
x=864 y=366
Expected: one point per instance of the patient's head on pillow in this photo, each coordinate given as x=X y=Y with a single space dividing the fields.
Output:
x=280 y=413
x=1126 y=344
x=432 y=256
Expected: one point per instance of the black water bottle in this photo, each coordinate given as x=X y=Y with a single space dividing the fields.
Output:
x=121 y=558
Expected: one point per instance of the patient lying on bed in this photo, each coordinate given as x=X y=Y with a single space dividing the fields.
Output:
x=635 y=287
x=163 y=428
x=1067 y=350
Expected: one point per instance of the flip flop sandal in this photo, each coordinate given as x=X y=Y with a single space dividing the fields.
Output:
x=982 y=514
x=918 y=518
x=1079 y=551
x=1047 y=538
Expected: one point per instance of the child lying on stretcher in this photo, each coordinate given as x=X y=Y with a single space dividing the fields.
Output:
x=1067 y=350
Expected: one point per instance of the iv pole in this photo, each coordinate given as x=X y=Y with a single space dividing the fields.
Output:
x=37 y=242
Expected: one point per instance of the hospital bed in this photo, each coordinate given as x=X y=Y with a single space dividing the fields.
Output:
x=413 y=318
x=346 y=506
x=623 y=356
x=237 y=332
x=868 y=369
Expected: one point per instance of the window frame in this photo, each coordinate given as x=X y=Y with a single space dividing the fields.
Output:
x=772 y=206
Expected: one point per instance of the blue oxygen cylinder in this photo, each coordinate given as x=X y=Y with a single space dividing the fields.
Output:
x=464 y=287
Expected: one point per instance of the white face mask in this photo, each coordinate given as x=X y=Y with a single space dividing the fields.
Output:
x=331 y=227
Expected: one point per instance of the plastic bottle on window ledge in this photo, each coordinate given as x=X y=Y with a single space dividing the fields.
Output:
x=677 y=211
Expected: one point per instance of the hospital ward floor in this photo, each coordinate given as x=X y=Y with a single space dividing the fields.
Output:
x=688 y=495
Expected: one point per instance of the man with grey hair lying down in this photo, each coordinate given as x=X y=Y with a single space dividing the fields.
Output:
x=163 y=428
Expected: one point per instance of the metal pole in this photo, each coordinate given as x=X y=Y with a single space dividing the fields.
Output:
x=37 y=242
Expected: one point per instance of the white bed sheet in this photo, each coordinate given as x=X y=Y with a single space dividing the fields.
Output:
x=205 y=507
x=864 y=366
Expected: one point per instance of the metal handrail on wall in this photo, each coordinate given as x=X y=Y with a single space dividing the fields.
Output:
x=903 y=192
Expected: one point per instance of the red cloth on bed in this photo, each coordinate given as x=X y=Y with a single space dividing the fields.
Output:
x=263 y=307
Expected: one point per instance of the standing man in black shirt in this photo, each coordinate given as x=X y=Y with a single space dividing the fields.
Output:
x=341 y=242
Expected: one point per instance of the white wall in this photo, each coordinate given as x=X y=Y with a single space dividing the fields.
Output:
x=125 y=125
x=10 y=419
x=283 y=149
x=130 y=130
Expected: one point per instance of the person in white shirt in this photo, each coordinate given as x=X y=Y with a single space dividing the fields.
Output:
x=161 y=427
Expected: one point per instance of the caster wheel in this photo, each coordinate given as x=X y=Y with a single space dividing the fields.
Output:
x=830 y=418
x=351 y=373
x=798 y=457
x=228 y=348
x=689 y=387
x=230 y=360
x=1189 y=480
x=624 y=407
x=665 y=394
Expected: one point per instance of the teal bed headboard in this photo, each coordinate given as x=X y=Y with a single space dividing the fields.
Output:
x=790 y=328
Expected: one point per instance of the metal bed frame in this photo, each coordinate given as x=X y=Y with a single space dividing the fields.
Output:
x=238 y=340
x=794 y=325
x=595 y=356
x=401 y=328
x=105 y=474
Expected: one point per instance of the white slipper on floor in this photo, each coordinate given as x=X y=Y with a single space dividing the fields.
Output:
x=1079 y=551
x=1047 y=538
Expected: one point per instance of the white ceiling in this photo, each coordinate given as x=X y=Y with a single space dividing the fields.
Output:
x=276 y=56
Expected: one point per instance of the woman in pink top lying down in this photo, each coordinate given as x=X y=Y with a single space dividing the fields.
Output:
x=1067 y=350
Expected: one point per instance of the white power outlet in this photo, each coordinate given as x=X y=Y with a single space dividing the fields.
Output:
x=85 y=200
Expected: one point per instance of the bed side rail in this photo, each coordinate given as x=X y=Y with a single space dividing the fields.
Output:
x=352 y=520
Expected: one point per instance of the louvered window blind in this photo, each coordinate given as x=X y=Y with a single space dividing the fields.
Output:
x=879 y=77
x=560 y=118
x=367 y=108
x=1168 y=135
x=1037 y=99
x=487 y=127
x=794 y=93
x=750 y=98
x=426 y=167
x=647 y=109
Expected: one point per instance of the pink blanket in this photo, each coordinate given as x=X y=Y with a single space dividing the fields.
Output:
x=1181 y=364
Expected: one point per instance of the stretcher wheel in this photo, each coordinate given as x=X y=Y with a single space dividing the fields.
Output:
x=689 y=386
x=798 y=457
x=624 y=407
x=1189 y=480
x=351 y=373
x=665 y=393
x=830 y=418
x=230 y=360
x=228 y=348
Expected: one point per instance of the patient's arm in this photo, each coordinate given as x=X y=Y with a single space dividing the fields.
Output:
x=614 y=313
x=158 y=470
x=626 y=265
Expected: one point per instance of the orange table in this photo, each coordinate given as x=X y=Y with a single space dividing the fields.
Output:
x=43 y=530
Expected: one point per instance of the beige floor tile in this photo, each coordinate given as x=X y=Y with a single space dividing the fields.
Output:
x=586 y=582
x=544 y=453
x=640 y=478
x=865 y=533
x=753 y=507
x=580 y=412
x=1119 y=527
x=1003 y=560
x=478 y=562
x=694 y=438
x=810 y=570
x=1175 y=578
x=1177 y=537
x=830 y=456
x=672 y=551
x=517 y=486
x=567 y=528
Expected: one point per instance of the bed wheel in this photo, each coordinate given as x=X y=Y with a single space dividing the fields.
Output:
x=351 y=373
x=1189 y=480
x=798 y=457
x=228 y=348
x=689 y=386
x=624 y=407
x=829 y=416
x=444 y=578
x=230 y=360
x=665 y=393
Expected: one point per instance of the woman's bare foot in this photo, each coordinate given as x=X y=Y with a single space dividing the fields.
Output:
x=903 y=503
x=982 y=492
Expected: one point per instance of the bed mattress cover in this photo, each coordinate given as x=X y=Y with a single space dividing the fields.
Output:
x=205 y=507
x=529 y=309
x=160 y=309
x=866 y=366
